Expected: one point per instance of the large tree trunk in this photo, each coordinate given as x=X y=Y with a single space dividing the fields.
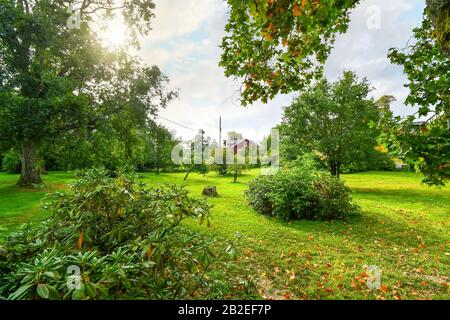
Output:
x=332 y=168
x=335 y=168
x=30 y=173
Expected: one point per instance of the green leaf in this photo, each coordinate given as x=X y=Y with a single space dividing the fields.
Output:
x=20 y=292
x=43 y=291
x=78 y=293
x=53 y=292
x=90 y=290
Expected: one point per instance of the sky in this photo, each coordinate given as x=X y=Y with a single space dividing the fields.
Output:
x=185 y=40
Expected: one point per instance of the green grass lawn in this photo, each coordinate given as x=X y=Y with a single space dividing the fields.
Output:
x=403 y=229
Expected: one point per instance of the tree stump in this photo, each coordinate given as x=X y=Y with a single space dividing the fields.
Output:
x=210 y=191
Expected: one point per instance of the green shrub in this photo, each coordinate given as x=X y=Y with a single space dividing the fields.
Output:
x=301 y=193
x=11 y=162
x=125 y=241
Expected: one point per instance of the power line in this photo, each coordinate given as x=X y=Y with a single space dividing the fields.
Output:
x=176 y=123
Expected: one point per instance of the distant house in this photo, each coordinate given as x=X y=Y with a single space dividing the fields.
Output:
x=240 y=144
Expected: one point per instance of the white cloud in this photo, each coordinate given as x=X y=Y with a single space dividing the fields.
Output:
x=180 y=17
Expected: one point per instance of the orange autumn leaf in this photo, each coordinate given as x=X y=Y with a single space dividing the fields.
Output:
x=80 y=241
x=296 y=10
x=268 y=37
x=287 y=295
x=310 y=237
x=329 y=290
x=384 y=288
x=149 y=251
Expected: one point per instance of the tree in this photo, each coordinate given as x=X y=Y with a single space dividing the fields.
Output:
x=332 y=120
x=234 y=136
x=236 y=166
x=198 y=146
x=55 y=80
x=163 y=144
x=425 y=146
x=280 y=46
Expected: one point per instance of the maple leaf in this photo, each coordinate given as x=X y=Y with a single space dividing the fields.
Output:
x=384 y=288
x=287 y=295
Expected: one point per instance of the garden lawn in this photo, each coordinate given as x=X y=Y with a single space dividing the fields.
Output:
x=403 y=229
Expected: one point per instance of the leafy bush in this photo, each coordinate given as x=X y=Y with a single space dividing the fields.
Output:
x=125 y=241
x=11 y=162
x=301 y=193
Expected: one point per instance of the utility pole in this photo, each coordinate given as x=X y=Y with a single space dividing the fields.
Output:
x=202 y=133
x=220 y=132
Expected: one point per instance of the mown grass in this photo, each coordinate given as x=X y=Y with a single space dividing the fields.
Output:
x=403 y=229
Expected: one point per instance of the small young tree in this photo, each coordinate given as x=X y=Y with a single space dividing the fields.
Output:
x=197 y=148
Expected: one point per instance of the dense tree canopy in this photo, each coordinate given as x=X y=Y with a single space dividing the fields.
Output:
x=280 y=46
x=422 y=139
x=332 y=120
x=57 y=80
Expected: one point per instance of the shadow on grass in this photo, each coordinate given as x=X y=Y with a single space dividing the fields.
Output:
x=366 y=227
